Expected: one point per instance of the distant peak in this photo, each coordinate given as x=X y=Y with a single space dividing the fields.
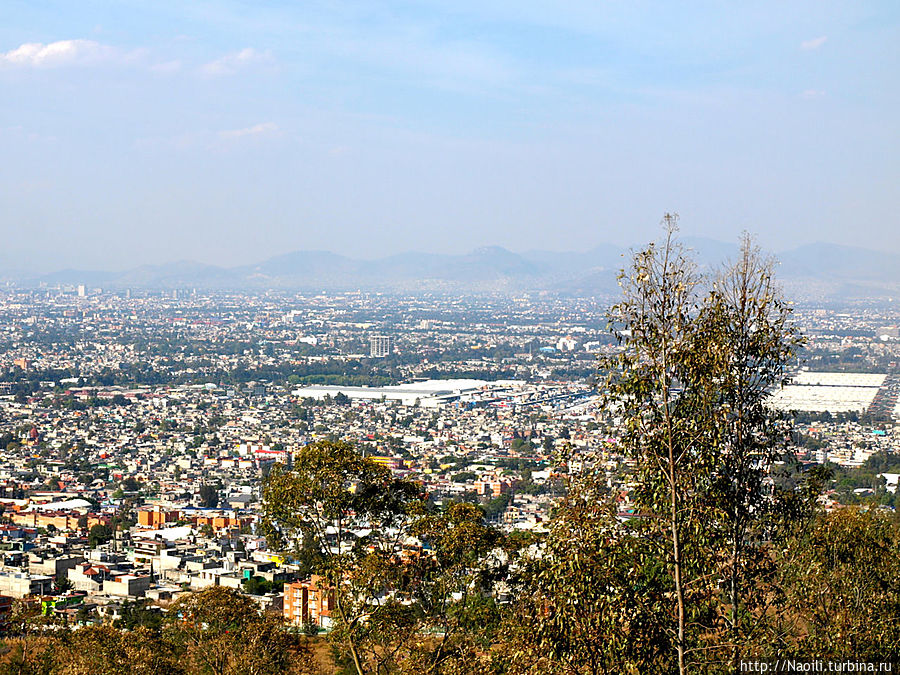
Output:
x=490 y=250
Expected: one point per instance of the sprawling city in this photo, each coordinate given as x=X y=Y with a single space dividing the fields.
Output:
x=139 y=427
x=449 y=338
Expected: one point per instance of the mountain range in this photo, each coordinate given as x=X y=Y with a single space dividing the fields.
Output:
x=813 y=270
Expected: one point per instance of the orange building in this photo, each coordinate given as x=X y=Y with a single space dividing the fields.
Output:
x=491 y=486
x=156 y=517
x=222 y=521
x=60 y=520
x=308 y=602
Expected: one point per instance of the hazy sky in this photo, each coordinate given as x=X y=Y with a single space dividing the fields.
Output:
x=225 y=132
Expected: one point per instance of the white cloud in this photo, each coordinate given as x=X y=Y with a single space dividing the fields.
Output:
x=207 y=140
x=231 y=63
x=55 y=54
x=262 y=129
x=812 y=93
x=815 y=43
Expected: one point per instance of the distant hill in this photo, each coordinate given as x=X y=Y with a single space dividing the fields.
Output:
x=815 y=270
x=830 y=261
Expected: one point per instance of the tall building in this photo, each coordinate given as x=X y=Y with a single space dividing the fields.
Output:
x=82 y=291
x=381 y=346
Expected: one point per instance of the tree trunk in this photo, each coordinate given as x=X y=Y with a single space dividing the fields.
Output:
x=676 y=560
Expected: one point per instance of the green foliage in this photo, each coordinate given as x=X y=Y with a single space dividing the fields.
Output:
x=690 y=383
x=138 y=614
x=521 y=445
x=61 y=583
x=214 y=632
x=749 y=341
x=261 y=586
x=845 y=481
x=840 y=588
x=131 y=485
x=496 y=506
x=220 y=631
x=349 y=518
x=452 y=584
x=209 y=495
x=353 y=514
x=595 y=599
x=89 y=650
x=882 y=462
x=464 y=476
x=661 y=383
x=99 y=534
x=341 y=500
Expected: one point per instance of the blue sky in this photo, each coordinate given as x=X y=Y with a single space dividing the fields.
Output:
x=145 y=132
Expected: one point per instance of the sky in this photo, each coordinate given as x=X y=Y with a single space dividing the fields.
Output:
x=149 y=131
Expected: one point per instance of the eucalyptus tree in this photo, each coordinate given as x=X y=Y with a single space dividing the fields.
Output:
x=220 y=631
x=593 y=598
x=348 y=517
x=452 y=586
x=411 y=583
x=749 y=326
x=661 y=386
x=699 y=359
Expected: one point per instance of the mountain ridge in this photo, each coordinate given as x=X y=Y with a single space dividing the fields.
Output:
x=488 y=268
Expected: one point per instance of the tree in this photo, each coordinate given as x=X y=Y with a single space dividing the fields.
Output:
x=131 y=484
x=356 y=514
x=104 y=649
x=261 y=586
x=209 y=496
x=61 y=583
x=748 y=323
x=216 y=632
x=497 y=505
x=592 y=598
x=839 y=584
x=138 y=613
x=29 y=636
x=452 y=587
x=399 y=606
x=689 y=390
x=221 y=632
x=99 y=534
x=660 y=387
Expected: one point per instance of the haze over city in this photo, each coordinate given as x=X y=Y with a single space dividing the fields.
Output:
x=449 y=338
x=136 y=133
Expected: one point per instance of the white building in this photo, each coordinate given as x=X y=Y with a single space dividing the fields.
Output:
x=381 y=346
